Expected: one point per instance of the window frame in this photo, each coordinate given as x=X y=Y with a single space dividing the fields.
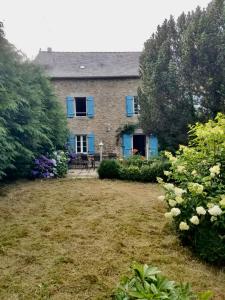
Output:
x=75 y=107
x=82 y=143
x=136 y=112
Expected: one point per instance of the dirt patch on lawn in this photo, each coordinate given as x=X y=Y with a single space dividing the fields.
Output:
x=73 y=239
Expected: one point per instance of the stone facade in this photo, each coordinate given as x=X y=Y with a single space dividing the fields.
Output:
x=109 y=105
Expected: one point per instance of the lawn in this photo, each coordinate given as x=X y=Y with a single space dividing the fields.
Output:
x=73 y=239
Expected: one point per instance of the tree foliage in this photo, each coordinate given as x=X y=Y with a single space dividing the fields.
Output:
x=183 y=74
x=31 y=119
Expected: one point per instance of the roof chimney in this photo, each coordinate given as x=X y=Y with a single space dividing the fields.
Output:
x=49 y=49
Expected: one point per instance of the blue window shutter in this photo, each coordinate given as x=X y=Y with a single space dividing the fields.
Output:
x=90 y=107
x=127 y=145
x=153 y=146
x=71 y=143
x=70 y=106
x=130 y=106
x=91 y=143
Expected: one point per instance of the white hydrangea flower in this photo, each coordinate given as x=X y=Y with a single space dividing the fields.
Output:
x=215 y=170
x=183 y=226
x=169 y=186
x=173 y=159
x=175 y=212
x=210 y=205
x=222 y=202
x=161 y=198
x=181 y=169
x=168 y=215
x=194 y=173
x=167 y=173
x=179 y=191
x=170 y=156
x=194 y=220
x=195 y=188
x=179 y=199
x=172 y=203
x=159 y=180
x=215 y=211
x=200 y=210
x=213 y=219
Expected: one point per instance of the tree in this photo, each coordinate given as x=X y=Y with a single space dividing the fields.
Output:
x=31 y=119
x=182 y=71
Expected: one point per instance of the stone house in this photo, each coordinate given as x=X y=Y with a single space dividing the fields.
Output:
x=98 y=91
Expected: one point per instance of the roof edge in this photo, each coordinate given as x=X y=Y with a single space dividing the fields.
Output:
x=52 y=51
x=96 y=77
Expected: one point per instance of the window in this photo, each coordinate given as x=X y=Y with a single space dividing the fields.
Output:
x=80 y=107
x=136 y=105
x=81 y=144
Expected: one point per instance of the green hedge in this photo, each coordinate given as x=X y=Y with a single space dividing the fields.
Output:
x=141 y=170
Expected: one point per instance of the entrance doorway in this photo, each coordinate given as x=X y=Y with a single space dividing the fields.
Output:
x=139 y=144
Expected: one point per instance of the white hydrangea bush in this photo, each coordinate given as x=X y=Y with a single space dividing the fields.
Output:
x=195 y=190
x=60 y=160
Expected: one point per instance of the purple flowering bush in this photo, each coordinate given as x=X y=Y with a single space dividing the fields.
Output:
x=56 y=166
x=72 y=156
x=43 y=167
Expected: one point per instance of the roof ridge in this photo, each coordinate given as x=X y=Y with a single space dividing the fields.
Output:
x=89 y=51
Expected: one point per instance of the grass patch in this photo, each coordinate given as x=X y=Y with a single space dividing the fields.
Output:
x=73 y=239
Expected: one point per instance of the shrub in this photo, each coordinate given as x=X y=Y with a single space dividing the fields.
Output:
x=156 y=169
x=134 y=169
x=109 y=169
x=136 y=160
x=196 y=200
x=62 y=160
x=43 y=167
x=130 y=173
x=148 y=283
x=56 y=166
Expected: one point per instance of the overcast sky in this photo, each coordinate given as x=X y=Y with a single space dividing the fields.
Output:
x=86 y=25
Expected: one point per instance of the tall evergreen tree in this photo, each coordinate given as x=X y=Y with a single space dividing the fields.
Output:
x=182 y=71
x=203 y=59
x=31 y=119
x=166 y=108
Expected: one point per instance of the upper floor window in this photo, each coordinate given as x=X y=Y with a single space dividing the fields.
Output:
x=136 y=105
x=80 y=106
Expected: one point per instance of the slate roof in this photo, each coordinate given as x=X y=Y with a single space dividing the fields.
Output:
x=89 y=64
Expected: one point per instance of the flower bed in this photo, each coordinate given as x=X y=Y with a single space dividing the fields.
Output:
x=196 y=200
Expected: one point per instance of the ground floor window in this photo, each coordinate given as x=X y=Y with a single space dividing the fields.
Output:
x=81 y=144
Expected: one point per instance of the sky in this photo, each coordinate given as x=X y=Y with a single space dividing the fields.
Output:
x=86 y=25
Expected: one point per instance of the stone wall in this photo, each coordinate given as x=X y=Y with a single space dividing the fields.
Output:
x=109 y=104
